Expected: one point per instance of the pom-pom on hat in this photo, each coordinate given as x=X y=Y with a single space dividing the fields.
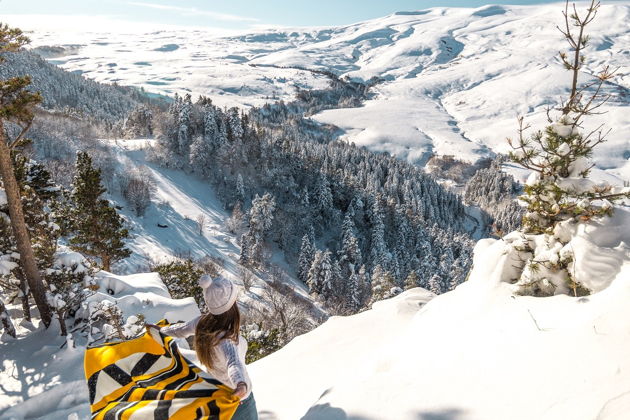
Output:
x=220 y=293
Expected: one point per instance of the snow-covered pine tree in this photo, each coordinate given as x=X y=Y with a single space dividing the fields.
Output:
x=315 y=277
x=70 y=283
x=305 y=260
x=139 y=123
x=260 y=221
x=559 y=194
x=184 y=126
x=350 y=253
x=239 y=191
x=97 y=229
x=435 y=284
x=383 y=285
x=379 y=256
x=323 y=200
x=412 y=280
x=335 y=287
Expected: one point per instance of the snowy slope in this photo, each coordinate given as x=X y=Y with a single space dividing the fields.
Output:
x=477 y=353
x=455 y=78
x=178 y=200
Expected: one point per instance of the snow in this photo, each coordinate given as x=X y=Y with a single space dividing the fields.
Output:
x=41 y=376
x=454 y=79
x=3 y=198
x=7 y=264
x=480 y=352
x=477 y=353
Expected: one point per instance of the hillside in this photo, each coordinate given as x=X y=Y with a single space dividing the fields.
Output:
x=454 y=79
x=480 y=352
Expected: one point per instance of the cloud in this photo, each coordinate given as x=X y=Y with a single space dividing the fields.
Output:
x=191 y=11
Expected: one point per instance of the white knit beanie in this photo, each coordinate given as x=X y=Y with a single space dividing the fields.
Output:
x=220 y=293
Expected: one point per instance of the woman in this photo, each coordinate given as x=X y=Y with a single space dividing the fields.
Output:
x=218 y=344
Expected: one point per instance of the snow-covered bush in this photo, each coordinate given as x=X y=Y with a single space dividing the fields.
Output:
x=261 y=342
x=137 y=186
x=181 y=277
x=108 y=323
x=70 y=283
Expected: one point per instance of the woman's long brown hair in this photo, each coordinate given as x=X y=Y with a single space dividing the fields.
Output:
x=211 y=329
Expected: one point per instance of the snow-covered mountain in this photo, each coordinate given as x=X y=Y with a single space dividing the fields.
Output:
x=454 y=79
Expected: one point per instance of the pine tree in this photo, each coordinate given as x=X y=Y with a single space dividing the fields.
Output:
x=435 y=284
x=184 y=126
x=260 y=221
x=16 y=107
x=383 y=285
x=97 y=229
x=324 y=199
x=350 y=253
x=239 y=195
x=315 y=278
x=412 y=280
x=378 y=248
x=559 y=188
x=558 y=192
x=305 y=260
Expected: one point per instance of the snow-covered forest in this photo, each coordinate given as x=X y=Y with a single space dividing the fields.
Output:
x=371 y=269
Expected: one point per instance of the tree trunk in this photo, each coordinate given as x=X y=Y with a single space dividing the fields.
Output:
x=106 y=262
x=6 y=320
x=62 y=322
x=27 y=258
x=26 y=305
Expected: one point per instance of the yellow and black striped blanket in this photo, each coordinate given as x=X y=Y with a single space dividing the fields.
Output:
x=148 y=378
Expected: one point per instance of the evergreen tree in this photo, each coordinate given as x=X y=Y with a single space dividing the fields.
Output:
x=260 y=221
x=412 y=280
x=315 y=278
x=558 y=192
x=435 y=284
x=559 y=188
x=324 y=199
x=378 y=247
x=16 y=107
x=240 y=190
x=383 y=285
x=305 y=260
x=97 y=229
x=184 y=126
x=350 y=252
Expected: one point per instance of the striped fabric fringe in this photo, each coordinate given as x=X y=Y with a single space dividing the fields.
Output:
x=147 y=378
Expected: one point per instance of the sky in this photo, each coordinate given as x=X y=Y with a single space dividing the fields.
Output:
x=234 y=14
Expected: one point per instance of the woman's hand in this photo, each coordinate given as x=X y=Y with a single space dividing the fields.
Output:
x=240 y=390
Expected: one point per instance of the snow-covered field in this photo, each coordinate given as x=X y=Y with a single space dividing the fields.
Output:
x=455 y=79
x=479 y=352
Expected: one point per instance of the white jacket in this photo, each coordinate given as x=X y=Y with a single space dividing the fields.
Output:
x=230 y=357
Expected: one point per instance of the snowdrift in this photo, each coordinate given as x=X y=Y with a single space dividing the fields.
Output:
x=477 y=353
